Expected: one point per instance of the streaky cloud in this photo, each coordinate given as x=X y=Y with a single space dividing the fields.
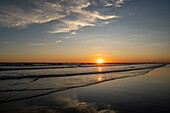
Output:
x=58 y=41
x=3 y=53
x=119 y=3
x=4 y=42
x=14 y=15
x=73 y=33
x=70 y=15
x=37 y=44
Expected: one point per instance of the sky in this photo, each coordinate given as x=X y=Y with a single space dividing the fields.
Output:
x=84 y=30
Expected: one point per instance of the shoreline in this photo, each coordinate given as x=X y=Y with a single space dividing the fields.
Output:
x=133 y=94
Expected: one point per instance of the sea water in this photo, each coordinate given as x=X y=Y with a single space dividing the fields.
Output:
x=20 y=81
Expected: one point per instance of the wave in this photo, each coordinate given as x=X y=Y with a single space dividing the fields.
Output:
x=36 y=66
x=7 y=77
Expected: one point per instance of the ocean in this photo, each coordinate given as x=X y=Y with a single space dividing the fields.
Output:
x=78 y=84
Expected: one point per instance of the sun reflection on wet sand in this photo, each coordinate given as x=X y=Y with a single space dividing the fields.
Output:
x=99 y=78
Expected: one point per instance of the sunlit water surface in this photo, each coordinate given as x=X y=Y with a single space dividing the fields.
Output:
x=128 y=93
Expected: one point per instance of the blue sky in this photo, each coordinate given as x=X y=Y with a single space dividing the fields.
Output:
x=80 y=31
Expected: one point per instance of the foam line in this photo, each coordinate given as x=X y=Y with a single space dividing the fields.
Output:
x=76 y=74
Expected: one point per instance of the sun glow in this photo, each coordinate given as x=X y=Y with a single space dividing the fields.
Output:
x=99 y=60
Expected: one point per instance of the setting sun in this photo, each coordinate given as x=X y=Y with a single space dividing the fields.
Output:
x=100 y=60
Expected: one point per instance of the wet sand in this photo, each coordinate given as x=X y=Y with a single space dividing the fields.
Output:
x=149 y=93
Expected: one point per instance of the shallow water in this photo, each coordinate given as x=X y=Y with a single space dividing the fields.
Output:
x=130 y=93
x=24 y=84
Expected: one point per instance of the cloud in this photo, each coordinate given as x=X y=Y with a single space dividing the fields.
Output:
x=14 y=15
x=106 y=22
x=70 y=25
x=37 y=44
x=119 y=3
x=4 y=42
x=83 y=19
x=73 y=33
x=58 y=41
x=3 y=53
x=66 y=37
x=71 y=15
x=40 y=44
x=109 y=4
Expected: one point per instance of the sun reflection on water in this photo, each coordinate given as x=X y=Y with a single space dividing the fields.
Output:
x=99 y=69
x=99 y=78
